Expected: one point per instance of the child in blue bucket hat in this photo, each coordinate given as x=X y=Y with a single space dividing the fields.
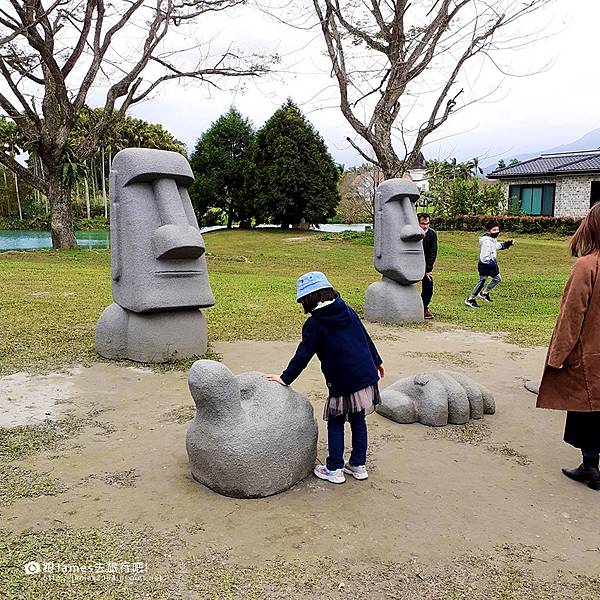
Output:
x=352 y=368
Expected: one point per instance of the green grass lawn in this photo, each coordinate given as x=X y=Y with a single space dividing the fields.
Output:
x=51 y=300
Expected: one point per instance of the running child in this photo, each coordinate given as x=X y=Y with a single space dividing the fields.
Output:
x=352 y=368
x=488 y=263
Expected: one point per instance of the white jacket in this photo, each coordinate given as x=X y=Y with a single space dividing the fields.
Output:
x=489 y=247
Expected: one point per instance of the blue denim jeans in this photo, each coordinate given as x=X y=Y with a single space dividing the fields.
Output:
x=335 y=436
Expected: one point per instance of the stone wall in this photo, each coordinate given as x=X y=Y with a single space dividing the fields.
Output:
x=572 y=196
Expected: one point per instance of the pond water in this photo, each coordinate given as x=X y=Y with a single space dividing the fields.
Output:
x=100 y=238
x=32 y=240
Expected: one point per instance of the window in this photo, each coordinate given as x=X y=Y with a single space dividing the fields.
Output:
x=595 y=193
x=535 y=200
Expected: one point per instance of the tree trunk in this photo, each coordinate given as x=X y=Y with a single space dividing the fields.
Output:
x=229 y=219
x=104 y=188
x=18 y=196
x=87 y=196
x=41 y=170
x=61 y=222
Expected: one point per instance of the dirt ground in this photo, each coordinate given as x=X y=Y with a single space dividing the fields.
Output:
x=432 y=494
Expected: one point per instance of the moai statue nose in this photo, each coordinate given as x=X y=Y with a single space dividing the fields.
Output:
x=410 y=233
x=175 y=238
x=250 y=437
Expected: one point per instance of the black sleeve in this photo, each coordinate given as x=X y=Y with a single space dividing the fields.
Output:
x=506 y=245
x=372 y=349
x=305 y=351
x=430 y=246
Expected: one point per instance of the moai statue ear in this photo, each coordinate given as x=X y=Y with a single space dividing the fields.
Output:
x=115 y=245
x=215 y=390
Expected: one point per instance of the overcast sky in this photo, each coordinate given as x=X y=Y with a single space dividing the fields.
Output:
x=527 y=114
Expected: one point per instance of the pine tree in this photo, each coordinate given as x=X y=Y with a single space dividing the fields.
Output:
x=223 y=167
x=297 y=178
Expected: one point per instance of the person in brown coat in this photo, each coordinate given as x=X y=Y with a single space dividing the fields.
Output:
x=571 y=378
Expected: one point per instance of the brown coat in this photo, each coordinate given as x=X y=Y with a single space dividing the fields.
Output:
x=572 y=375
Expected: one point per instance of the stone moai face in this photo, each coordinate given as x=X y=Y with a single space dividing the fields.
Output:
x=157 y=251
x=398 y=237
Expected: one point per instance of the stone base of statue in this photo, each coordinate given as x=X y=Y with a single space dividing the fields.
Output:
x=387 y=301
x=155 y=337
x=251 y=437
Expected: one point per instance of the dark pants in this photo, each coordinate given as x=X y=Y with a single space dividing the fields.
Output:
x=335 y=435
x=582 y=430
x=591 y=458
x=427 y=291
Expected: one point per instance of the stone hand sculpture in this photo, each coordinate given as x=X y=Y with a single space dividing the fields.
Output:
x=436 y=398
x=399 y=255
x=250 y=437
x=159 y=274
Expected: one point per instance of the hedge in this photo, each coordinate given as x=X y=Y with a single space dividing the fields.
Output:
x=560 y=225
x=43 y=223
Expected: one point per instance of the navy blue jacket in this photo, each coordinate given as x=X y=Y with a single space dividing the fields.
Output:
x=349 y=359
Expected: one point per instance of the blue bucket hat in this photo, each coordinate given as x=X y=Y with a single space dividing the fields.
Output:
x=311 y=282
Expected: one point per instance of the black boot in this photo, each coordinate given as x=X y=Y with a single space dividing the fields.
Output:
x=584 y=474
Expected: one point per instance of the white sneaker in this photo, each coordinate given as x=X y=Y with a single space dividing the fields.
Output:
x=322 y=472
x=356 y=472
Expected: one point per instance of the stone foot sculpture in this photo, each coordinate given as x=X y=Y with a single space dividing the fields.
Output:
x=436 y=398
x=387 y=301
x=150 y=337
x=250 y=437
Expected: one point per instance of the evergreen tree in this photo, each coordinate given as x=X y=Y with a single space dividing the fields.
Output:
x=223 y=167
x=297 y=178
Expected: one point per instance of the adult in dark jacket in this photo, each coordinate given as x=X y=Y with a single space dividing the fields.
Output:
x=430 y=249
x=571 y=378
x=351 y=366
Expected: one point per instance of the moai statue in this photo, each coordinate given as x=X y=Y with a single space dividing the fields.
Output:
x=250 y=437
x=159 y=274
x=436 y=398
x=399 y=256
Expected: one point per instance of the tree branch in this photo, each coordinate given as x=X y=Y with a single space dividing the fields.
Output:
x=16 y=167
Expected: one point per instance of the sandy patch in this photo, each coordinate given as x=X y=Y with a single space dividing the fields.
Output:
x=430 y=496
x=31 y=399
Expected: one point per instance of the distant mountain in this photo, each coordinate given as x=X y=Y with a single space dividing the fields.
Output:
x=589 y=141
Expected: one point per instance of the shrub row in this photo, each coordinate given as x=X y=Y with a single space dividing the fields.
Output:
x=42 y=223
x=521 y=224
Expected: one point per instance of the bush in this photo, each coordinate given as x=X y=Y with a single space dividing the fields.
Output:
x=360 y=237
x=520 y=224
x=93 y=223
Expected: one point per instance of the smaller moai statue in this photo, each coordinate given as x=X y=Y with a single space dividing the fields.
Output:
x=436 y=398
x=251 y=437
x=159 y=274
x=399 y=256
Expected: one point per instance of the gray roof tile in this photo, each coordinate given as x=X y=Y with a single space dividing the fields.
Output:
x=552 y=164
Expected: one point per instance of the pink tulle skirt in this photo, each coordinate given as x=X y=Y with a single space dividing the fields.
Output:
x=365 y=399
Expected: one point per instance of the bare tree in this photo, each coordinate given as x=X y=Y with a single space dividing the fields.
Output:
x=387 y=56
x=357 y=189
x=55 y=53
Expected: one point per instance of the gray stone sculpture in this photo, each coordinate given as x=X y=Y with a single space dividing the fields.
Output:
x=399 y=256
x=250 y=437
x=436 y=398
x=532 y=386
x=159 y=274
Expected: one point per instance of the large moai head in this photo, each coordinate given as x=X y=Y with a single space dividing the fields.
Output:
x=157 y=251
x=398 y=237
